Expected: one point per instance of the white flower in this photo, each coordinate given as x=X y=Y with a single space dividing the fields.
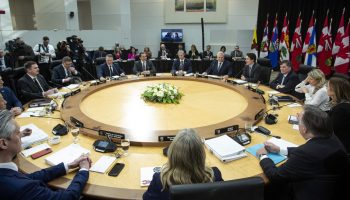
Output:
x=160 y=93
x=171 y=97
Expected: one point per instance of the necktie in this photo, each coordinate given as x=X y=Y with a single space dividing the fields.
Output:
x=181 y=65
x=143 y=65
x=219 y=66
x=1 y=65
x=38 y=84
x=283 y=79
x=250 y=71
x=110 y=71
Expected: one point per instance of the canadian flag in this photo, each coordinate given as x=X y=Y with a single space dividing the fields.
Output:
x=324 y=50
x=338 y=37
x=341 y=64
x=308 y=33
x=296 y=47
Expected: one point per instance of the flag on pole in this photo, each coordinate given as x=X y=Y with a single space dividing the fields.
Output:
x=308 y=33
x=324 y=50
x=254 y=48
x=296 y=48
x=264 y=49
x=310 y=57
x=284 y=41
x=341 y=64
x=273 y=48
x=339 y=36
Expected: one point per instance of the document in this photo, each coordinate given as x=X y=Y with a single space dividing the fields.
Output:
x=72 y=86
x=225 y=148
x=37 y=136
x=66 y=155
x=103 y=164
x=37 y=111
x=238 y=81
x=146 y=175
x=33 y=150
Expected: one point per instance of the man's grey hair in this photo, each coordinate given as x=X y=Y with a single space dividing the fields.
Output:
x=7 y=125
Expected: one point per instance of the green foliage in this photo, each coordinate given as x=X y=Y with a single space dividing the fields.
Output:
x=162 y=93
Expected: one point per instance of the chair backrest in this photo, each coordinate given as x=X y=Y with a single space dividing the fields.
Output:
x=264 y=62
x=241 y=189
x=303 y=71
x=265 y=74
x=54 y=63
x=99 y=61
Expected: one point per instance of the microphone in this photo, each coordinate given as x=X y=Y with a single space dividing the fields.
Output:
x=44 y=117
x=94 y=78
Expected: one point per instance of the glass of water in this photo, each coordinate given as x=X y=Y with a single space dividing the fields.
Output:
x=75 y=133
x=125 y=143
x=248 y=127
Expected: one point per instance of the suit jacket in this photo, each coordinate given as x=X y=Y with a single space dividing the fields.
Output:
x=186 y=67
x=290 y=81
x=9 y=63
x=58 y=74
x=10 y=98
x=29 y=89
x=237 y=53
x=16 y=186
x=149 y=66
x=226 y=68
x=103 y=70
x=255 y=73
x=167 y=51
x=99 y=54
x=340 y=115
x=196 y=54
x=312 y=170
x=154 y=191
x=206 y=54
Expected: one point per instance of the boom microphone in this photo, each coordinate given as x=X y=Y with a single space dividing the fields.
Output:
x=93 y=77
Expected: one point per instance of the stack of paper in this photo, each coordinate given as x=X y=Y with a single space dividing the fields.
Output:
x=225 y=148
x=33 y=150
x=37 y=136
x=147 y=175
x=72 y=86
x=103 y=164
x=238 y=81
x=37 y=111
x=66 y=155
x=276 y=158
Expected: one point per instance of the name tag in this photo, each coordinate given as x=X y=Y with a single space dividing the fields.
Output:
x=166 y=138
x=226 y=129
x=111 y=134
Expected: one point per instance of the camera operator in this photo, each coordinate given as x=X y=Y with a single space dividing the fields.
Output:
x=22 y=52
x=77 y=50
x=45 y=53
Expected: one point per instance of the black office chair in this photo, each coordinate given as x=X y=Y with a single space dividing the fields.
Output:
x=303 y=71
x=241 y=189
x=265 y=74
x=99 y=61
x=264 y=62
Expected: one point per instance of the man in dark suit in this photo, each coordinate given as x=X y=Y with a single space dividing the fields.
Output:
x=182 y=65
x=109 y=68
x=208 y=54
x=163 y=53
x=5 y=61
x=220 y=66
x=16 y=185
x=251 y=71
x=143 y=66
x=66 y=73
x=13 y=104
x=236 y=53
x=313 y=170
x=286 y=81
x=33 y=85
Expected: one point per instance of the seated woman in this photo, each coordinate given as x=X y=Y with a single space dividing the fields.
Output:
x=339 y=91
x=314 y=87
x=193 y=53
x=186 y=165
x=132 y=55
x=117 y=53
x=148 y=52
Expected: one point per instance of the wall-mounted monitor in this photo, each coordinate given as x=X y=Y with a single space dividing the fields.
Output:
x=171 y=35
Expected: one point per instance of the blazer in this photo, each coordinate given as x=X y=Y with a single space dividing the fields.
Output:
x=196 y=54
x=10 y=98
x=29 y=89
x=311 y=171
x=16 y=186
x=58 y=74
x=290 y=81
x=186 y=67
x=236 y=53
x=154 y=191
x=340 y=115
x=167 y=51
x=149 y=66
x=255 y=73
x=103 y=70
x=207 y=54
x=226 y=68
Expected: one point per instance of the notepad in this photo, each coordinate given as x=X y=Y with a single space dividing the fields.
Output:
x=33 y=150
x=37 y=136
x=276 y=158
x=66 y=155
x=146 y=175
x=103 y=164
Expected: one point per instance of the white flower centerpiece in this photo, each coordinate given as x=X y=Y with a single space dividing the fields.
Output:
x=162 y=93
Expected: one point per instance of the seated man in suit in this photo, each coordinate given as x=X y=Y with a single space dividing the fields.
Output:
x=66 y=73
x=5 y=61
x=16 y=185
x=314 y=169
x=13 y=104
x=251 y=71
x=163 y=53
x=208 y=54
x=109 y=69
x=143 y=66
x=220 y=66
x=33 y=85
x=286 y=81
x=182 y=65
x=236 y=53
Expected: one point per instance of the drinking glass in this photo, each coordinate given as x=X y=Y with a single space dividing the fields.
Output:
x=125 y=143
x=248 y=127
x=75 y=133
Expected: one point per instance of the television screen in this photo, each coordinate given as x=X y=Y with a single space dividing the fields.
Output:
x=171 y=35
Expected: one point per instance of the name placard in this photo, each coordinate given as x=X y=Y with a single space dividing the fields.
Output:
x=111 y=134
x=163 y=138
x=76 y=122
x=226 y=129
x=75 y=92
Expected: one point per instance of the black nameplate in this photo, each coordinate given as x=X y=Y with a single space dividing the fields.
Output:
x=76 y=122
x=259 y=115
x=164 y=138
x=75 y=92
x=226 y=129
x=111 y=134
x=67 y=95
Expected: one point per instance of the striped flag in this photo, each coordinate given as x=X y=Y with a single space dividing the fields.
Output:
x=284 y=41
x=324 y=50
x=296 y=47
x=310 y=57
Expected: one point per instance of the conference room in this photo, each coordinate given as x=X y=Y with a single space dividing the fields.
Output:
x=177 y=99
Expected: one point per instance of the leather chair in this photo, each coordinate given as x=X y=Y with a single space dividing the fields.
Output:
x=241 y=189
x=265 y=74
x=303 y=71
x=264 y=62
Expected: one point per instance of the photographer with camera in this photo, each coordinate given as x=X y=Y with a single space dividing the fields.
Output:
x=22 y=52
x=45 y=52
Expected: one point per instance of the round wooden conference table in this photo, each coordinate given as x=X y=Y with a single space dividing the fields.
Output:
x=116 y=106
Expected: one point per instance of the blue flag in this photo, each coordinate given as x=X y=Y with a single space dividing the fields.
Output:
x=273 y=49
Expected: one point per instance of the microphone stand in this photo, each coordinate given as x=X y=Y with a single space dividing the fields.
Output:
x=94 y=78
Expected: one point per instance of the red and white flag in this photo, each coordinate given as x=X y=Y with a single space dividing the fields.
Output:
x=264 y=46
x=341 y=64
x=324 y=50
x=284 y=41
x=339 y=36
x=296 y=47
x=308 y=33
